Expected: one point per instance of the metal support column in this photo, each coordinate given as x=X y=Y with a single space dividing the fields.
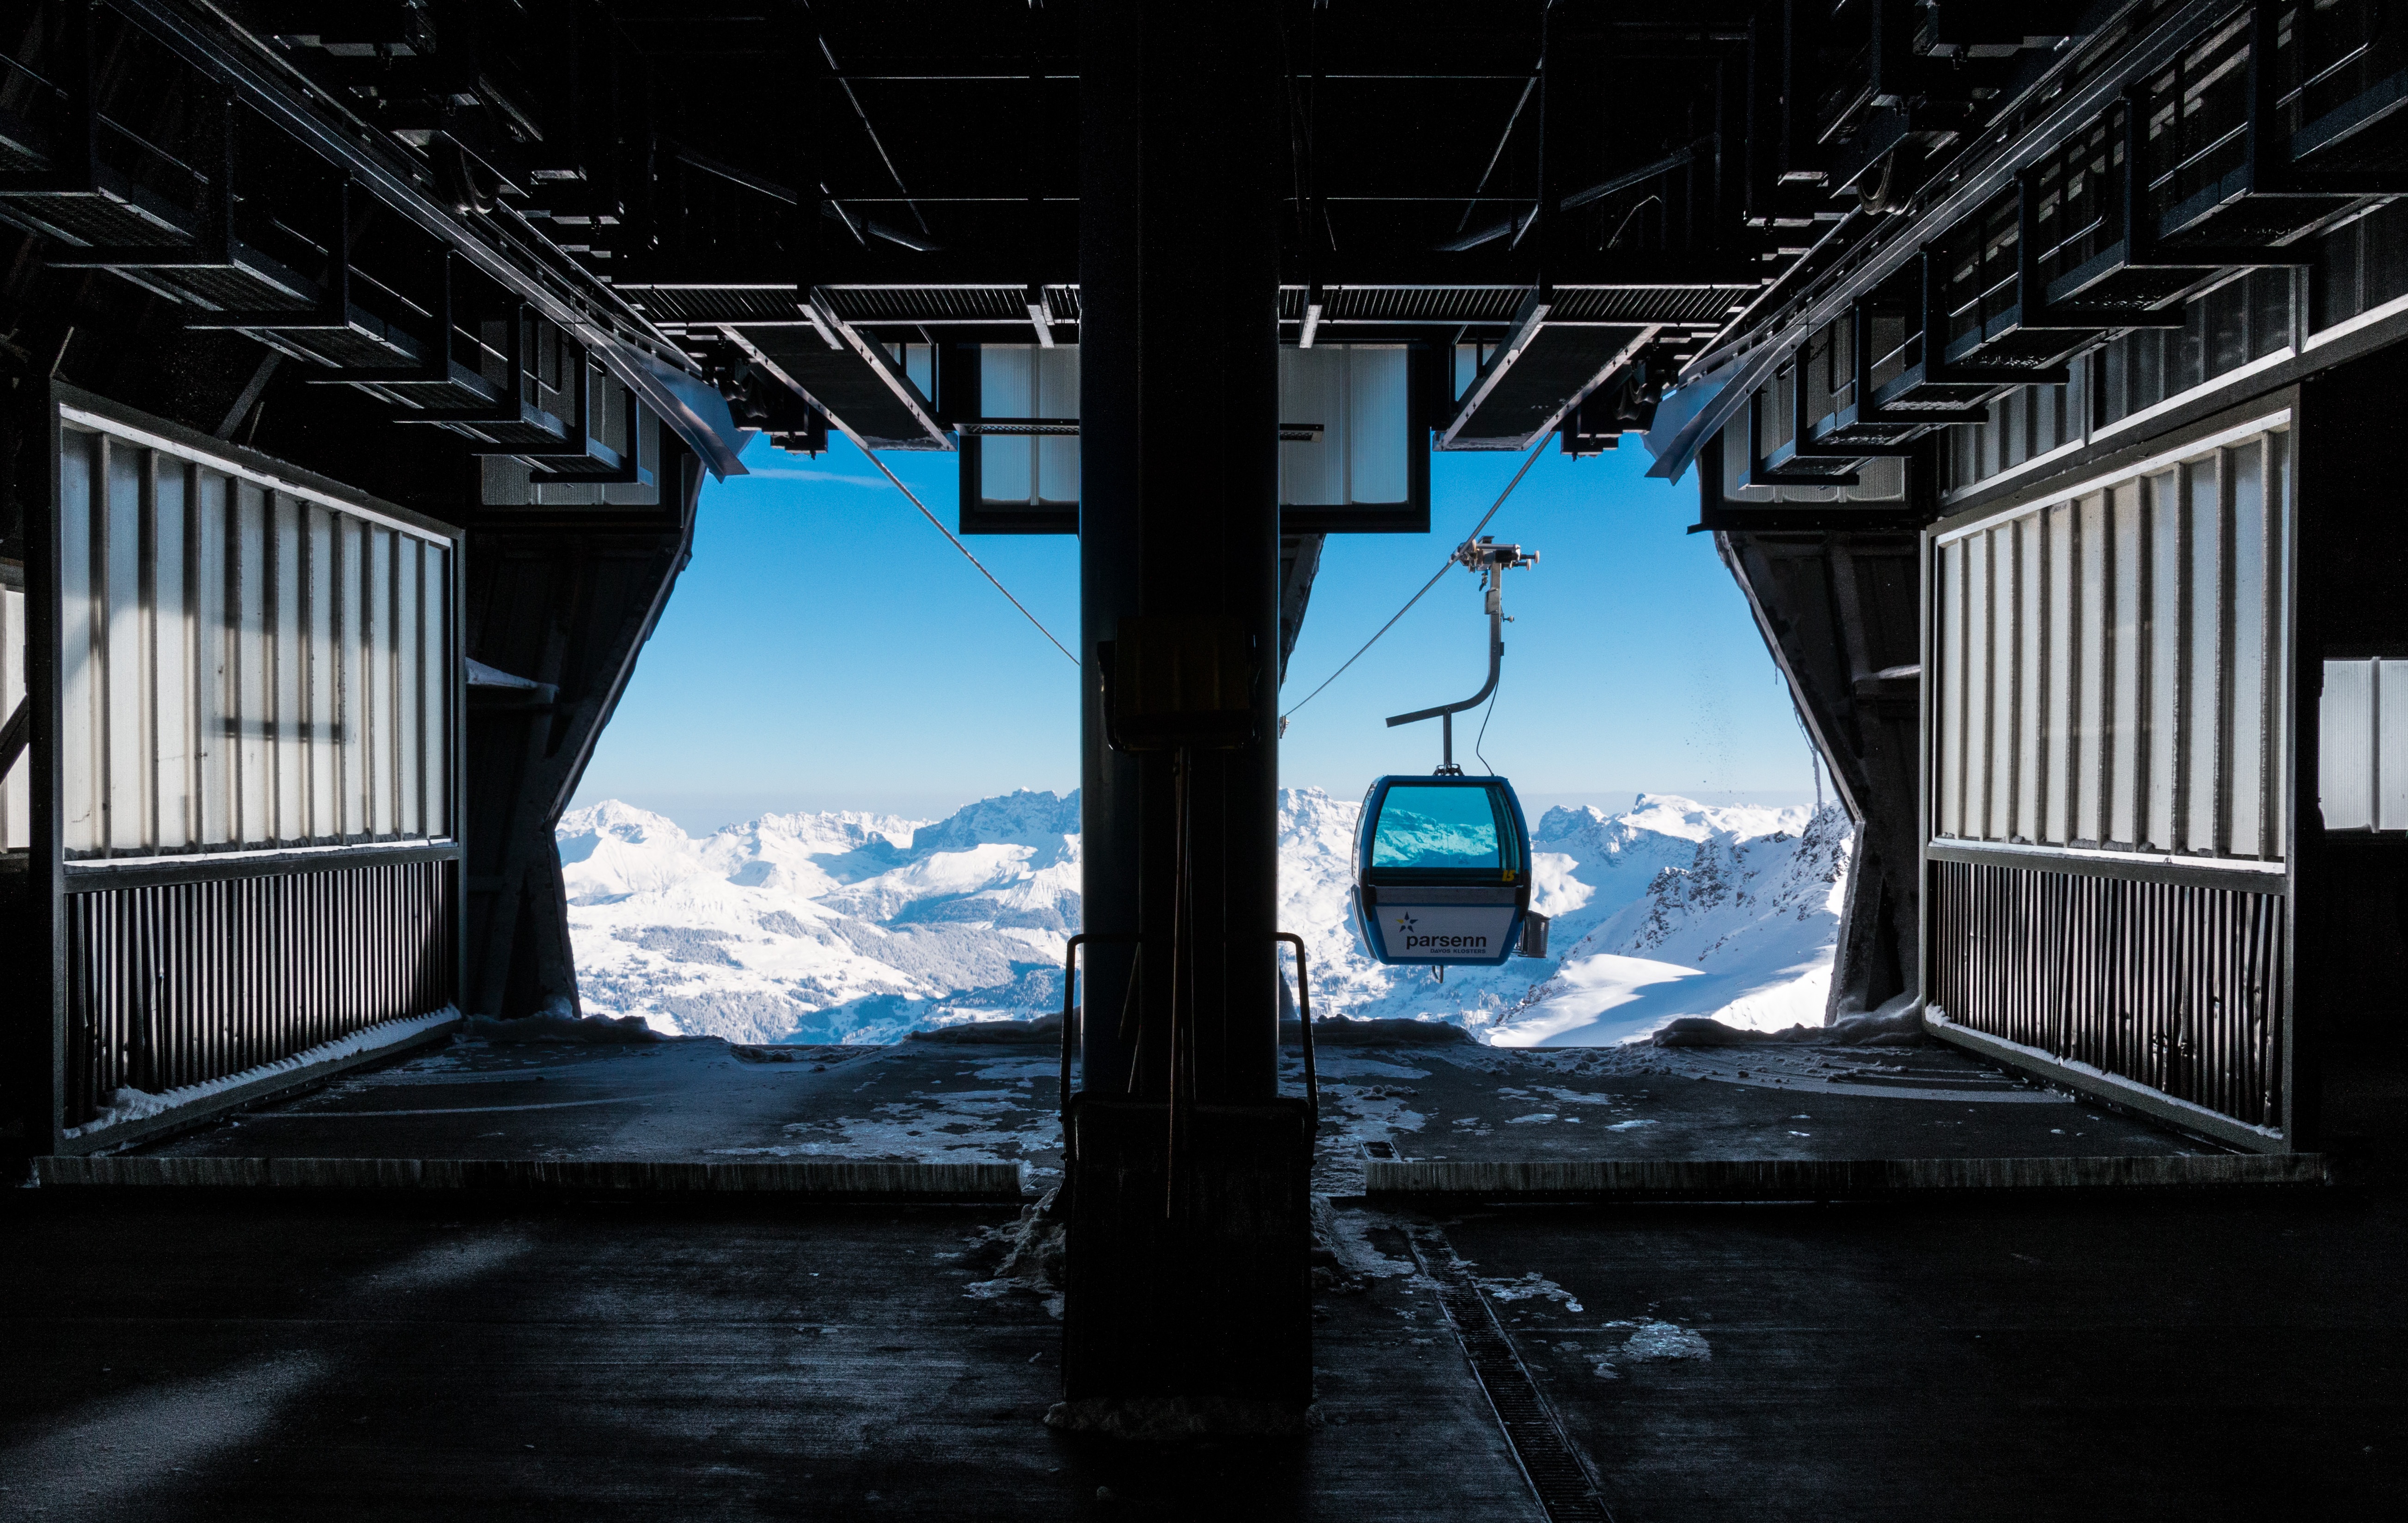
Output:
x=1188 y=1270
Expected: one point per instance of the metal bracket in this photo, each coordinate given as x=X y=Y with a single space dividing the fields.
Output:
x=1860 y=318
x=1939 y=371
x=1531 y=317
x=1484 y=554
x=881 y=365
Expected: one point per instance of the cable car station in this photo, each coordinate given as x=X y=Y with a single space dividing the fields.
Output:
x=2035 y=370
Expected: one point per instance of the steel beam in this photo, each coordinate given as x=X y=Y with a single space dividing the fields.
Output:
x=1531 y=317
x=630 y=348
x=1997 y=157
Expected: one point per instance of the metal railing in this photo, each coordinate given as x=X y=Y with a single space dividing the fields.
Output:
x=2177 y=987
x=177 y=983
x=1071 y=1009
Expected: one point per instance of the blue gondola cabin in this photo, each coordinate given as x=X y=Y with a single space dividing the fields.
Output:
x=1441 y=871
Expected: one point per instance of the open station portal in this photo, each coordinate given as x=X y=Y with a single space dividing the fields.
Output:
x=2036 y=368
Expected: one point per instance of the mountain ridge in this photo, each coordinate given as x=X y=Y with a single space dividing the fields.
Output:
x=847 y=926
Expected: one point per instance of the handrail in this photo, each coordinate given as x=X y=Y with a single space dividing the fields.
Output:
x=1304 y=1025
x=1069 y=1001
x=1070 y=1005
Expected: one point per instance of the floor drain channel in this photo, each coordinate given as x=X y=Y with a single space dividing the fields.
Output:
x=1561 y=1481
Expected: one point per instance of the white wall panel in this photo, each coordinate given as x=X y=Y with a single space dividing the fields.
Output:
x=2108 y=664
x=1357 y=393
x=15 y=824
x=244 y=666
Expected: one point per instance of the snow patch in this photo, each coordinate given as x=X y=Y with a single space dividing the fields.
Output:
x=128 y=1104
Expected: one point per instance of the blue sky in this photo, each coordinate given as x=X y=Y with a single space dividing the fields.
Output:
x=827 y=649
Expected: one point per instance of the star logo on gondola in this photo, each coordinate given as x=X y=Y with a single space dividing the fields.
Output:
x=1406 y=923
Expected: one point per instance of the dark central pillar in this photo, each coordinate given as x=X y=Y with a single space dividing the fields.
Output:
x=1189 y=1273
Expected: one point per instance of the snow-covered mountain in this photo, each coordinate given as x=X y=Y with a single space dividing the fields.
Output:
x=860 y=928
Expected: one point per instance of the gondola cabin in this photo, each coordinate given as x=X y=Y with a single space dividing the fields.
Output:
x=1442 y=871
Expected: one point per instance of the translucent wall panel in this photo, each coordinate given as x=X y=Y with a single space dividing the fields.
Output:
x=1356 y=394
x=2058 y=791
x=2362 y=748
x=1026 y=381
x=2090 y=660
x=245 y=666
x=14 y=798
x=79 y=688
x=1948 y=688
x=2108 y=668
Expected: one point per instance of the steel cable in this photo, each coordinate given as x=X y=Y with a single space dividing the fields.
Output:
x=968 y=557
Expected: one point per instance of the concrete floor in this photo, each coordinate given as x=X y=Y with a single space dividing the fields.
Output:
x=173 y=1360
x=258 y=1355
x=702 y=1100
x=178 y=1357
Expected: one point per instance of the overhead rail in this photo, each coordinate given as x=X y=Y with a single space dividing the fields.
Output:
x=1989 y=167
x=195 y=256
x=2183 y=178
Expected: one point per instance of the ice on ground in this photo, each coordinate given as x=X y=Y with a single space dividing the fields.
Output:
x=1665 y=1341
x=1530 y=1287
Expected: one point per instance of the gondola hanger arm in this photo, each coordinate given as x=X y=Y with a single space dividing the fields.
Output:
x=1483 y=554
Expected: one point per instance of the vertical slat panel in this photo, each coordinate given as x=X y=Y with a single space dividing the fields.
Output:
x=254 y=715
x=1980 y=676
x=2250 y=723
x=436 y=667
x=2278 y=642
x=125 y=662
x=156 y=1003
x=2171 y=986
x=80 y=679
x=2092 y=711
x=2030 y=679
x=408 y=602
x=298 y=604
x=214 y=633
x=323 y=724
x=2205 y=652
x=380 y=740
x=171 y=660
x=2006 y=609
x=1948 y=657
x=2164 y=587
x=2124 y=771
x=352 y=703
x=2060 y=752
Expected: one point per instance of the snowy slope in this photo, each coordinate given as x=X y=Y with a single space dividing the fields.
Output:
x=848 y=927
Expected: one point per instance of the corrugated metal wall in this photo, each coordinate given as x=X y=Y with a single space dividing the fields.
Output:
x=2177 y=986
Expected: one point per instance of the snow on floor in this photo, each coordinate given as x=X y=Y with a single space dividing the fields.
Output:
x=1010 y=1123
x=129 y=1104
